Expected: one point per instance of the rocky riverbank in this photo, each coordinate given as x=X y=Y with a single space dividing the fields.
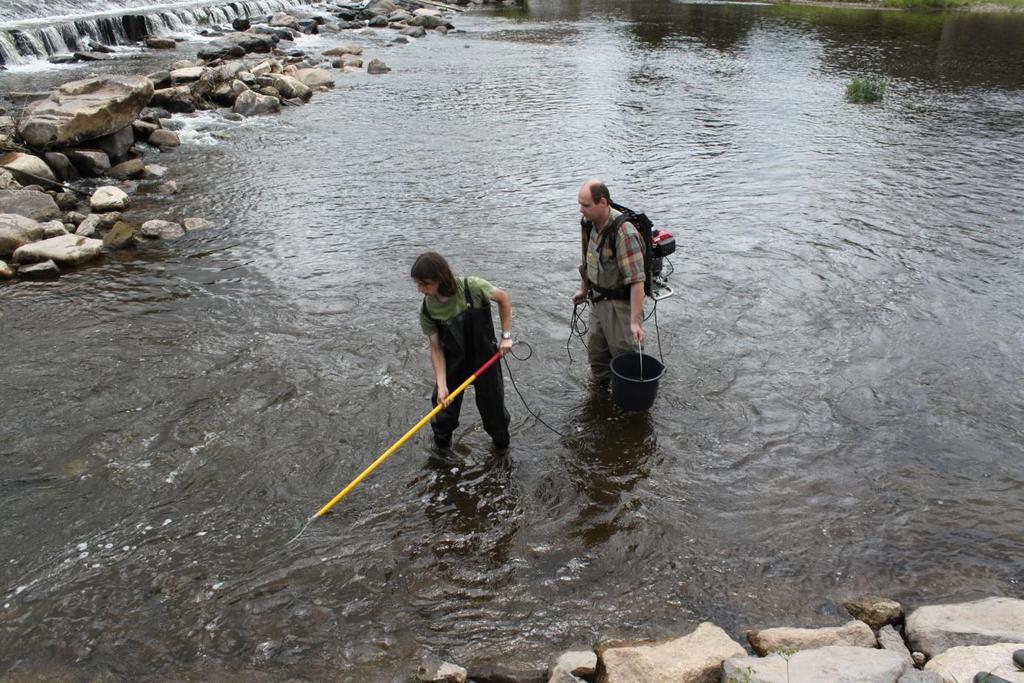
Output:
x=73 y=160
x=954 y=643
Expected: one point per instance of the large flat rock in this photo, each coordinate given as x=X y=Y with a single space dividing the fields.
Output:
x=85 y=109
x=936 y=628
x=962 y=663
x=694 y=658
x=833 y=664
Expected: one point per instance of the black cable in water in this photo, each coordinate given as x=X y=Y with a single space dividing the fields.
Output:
x=516 y=387
x=577 y=327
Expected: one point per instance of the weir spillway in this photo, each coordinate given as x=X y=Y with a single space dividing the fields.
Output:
x=30 y=31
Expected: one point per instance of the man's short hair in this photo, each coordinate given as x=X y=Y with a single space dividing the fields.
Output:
x=598 y=191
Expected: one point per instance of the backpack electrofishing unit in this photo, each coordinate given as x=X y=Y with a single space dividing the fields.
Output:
x=657 y=244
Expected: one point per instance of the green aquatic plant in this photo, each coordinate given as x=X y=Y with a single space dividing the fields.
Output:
x=865 y=90
x=787 y=654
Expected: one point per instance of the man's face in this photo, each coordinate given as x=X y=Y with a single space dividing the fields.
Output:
x=593 y=212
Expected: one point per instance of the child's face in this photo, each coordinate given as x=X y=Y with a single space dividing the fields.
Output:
x=427 y=287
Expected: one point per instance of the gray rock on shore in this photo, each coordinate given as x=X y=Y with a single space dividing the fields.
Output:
x=851 y=634
x=835 y=664
x=936 y=628
x=693 y=658
x=962 y=663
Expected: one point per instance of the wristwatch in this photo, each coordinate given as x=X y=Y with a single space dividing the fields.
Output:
x=506 y=335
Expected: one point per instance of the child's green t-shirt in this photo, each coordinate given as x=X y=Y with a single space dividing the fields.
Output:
x=479 y=289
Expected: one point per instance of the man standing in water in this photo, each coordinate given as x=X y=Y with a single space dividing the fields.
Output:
x=613 y=276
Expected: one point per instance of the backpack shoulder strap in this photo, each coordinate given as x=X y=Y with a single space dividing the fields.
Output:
x=610 y=232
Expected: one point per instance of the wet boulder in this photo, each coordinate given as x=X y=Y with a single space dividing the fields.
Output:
x=376 y=66
x=285 y=20
x=63 y=249
x=188 y=74
x=127 y=170
x=61 y=166
x=33 y=204
x=160 y=79
x=89 y=162
x=164 y=138
x=116 y=145
x=16 y=231
x=143 y=129
x=251 y=103
x=345 y=49
x=570 y=665
x=427 y=21
x=176 y=99
x=84 y=110
x=96 y=223
x=315 y=78
x=6 y=273
x=158 y=43
x=108 y=198
x=159 y=229
x=414 y=32
x=289 y=87
x=46 y=270
x=875 y=611
x=254 y=42
x=221 y=50
x=120 y=236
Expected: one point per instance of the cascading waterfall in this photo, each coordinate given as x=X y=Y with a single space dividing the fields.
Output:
x=32 y=37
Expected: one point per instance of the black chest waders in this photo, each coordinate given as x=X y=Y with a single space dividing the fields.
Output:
x=467 y=341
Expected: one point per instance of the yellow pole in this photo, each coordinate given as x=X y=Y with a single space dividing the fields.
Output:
x=398 y=444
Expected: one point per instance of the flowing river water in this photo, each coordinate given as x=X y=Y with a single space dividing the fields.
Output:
x=842 y=411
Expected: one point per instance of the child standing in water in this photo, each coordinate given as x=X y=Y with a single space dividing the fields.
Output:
x=456 y=317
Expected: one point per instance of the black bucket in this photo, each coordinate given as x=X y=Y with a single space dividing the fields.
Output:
x=631 y=390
